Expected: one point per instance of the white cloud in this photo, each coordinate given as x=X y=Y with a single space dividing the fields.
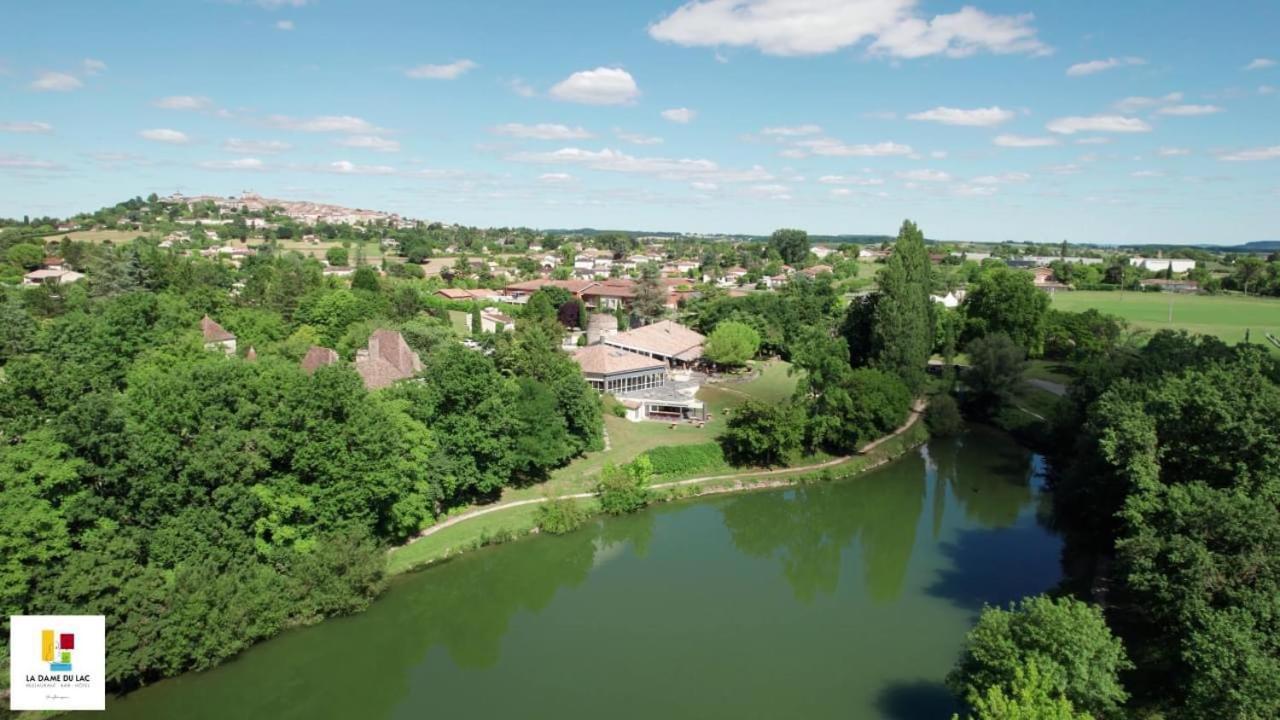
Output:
x=1067 y=169
x=1097 y=123
x=55 y=82
x=849 y=180
x=1136 y=103
x=966 y=190
x=370 y=142
x=791 y=130
x=1146 y=174
x=541 y=131
x=89 y=66
x=1022 y=141
x=1002 y=179
x=1172 y=152
x=285 y=25
x=938 y=154
x=834 y=148
x=1096 y=140
x=274 y=4
x=247 y=163
x=26 y=162
x=924 y=175
x=602 y=86
x=895 y=28
x=1096 y=66
x=680 y=115
x=345 y=167
x=555 y=177
x=978 y=117
x=636 y=138
x=1262 y=153
x=771 y=191
x=246 y=147
x=184 y=102
x=324 y=123
x=447 y=71
x=704 y=185
x=1260 y=64
x=35 y=128
x=1189 y=110
x=165 y=135
x=521 y=88
x=667 y=168
x=1266 y=89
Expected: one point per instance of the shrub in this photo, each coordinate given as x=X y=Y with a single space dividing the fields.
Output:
x=625 y=489
x=760 y=434
x=943 y=416
x=681 y=459
x=560 y=515
x=618 y=410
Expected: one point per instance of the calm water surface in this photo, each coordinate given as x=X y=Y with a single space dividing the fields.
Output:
x=841 y=600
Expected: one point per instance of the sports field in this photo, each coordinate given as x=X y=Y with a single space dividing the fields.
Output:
x=1226 y=316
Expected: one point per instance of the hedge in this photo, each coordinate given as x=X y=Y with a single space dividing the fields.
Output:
x=683 y=459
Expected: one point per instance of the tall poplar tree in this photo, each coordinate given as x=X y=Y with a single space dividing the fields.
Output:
x=902 y=325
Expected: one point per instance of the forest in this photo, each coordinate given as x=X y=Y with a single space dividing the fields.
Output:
x=204 y=502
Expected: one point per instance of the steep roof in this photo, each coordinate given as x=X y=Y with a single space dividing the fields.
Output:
x=388 y=358
x=605 y=360
x=666 y=338
x=213 y=332
x=318 y=357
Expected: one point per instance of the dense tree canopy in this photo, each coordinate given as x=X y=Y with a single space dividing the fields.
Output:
x=1007 y=301
x=203 y=502
x=1066 y=640
x=732 y=344
x=790 y=245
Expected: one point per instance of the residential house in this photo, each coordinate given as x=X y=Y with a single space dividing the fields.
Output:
x=816 y=270
x=821 y=251
x=493 y=320
x=217 y=337
x=387 y=358
x=49 y=276
x=317 y=357
x=338 y=271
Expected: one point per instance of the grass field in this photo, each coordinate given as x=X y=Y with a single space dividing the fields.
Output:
x=1226 y=316
x=97 y=236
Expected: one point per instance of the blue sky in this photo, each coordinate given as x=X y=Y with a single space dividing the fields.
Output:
x=1139 y=121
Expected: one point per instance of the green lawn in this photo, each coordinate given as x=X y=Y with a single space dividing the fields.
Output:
x=469 y=535
x=1226 y=316
x=1050 y=370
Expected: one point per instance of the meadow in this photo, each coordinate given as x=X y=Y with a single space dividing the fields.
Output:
x=1225 y=316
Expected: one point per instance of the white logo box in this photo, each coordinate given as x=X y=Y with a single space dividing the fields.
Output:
x=57 y=662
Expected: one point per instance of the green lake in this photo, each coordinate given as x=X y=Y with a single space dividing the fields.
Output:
x=844 y=600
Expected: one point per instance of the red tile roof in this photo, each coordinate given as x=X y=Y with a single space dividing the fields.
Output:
x=318 y=357
x=605 y=360
x=213 y=332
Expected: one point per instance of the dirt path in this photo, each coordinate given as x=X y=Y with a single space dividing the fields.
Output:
x=916 y=411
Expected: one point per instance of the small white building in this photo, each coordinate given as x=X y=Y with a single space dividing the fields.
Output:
x=1162 y=264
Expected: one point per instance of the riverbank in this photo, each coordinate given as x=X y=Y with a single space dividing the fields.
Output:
x=507 y=521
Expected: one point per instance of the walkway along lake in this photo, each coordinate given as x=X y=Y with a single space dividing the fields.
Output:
x=837 y=600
